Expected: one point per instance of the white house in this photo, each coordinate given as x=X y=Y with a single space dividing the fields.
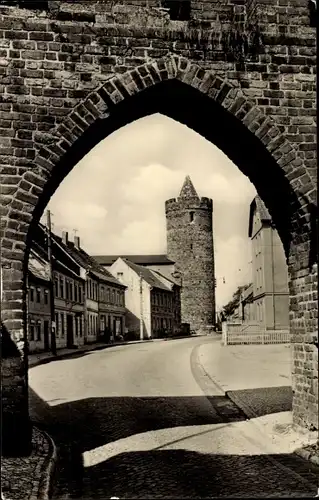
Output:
x=150 y=300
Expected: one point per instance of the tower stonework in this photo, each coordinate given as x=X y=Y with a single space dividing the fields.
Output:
x=189 y=223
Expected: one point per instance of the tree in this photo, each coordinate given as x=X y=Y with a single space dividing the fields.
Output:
x=230 y=307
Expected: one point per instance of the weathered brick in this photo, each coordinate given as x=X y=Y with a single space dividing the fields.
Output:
x=51 y=64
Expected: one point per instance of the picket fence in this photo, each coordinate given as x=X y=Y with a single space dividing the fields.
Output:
x=241 y=333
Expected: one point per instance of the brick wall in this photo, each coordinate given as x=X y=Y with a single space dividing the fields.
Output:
x=70 y=68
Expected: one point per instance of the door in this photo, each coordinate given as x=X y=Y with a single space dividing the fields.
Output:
x=69 y=331
x=46 y=335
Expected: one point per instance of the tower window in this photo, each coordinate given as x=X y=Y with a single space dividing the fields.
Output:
x=179 y=10
x=191 y=216
x=191 y=246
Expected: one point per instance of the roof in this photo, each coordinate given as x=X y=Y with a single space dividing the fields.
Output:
x=165 y=278
x=142 y=260
x=257 y=205
x=71 y=258
x=38 y=272
x=147 y=274
x=188 y=190
x=60 y=253
x=89 y=263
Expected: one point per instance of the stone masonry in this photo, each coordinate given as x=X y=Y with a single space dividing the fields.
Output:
x=190 y=246
x=239 y=72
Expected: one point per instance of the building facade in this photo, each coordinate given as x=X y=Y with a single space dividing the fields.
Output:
x=269 y=270
x=190 y=245
x=104 y=302
x=149 y=300
x=39 y=308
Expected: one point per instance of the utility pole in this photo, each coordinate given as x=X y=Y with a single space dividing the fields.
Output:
x=53 y=325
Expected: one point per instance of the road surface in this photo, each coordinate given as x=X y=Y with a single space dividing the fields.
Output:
x=141 y=421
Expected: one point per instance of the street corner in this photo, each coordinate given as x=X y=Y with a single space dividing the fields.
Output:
x=31 y=477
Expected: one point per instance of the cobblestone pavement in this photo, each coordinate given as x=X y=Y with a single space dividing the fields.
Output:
x=26 y=478
x=134 y=422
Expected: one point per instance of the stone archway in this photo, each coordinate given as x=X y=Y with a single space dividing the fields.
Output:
x=281 y=180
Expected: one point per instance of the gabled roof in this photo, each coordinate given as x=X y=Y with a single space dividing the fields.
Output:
x=164 y=278
x=142 y=260
x=188 y=190
x=147 y=274
x=257 y=205
x=89 y=263
x=59 y=252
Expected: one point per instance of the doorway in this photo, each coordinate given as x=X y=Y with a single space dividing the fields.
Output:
x=69 y=331
x=46 y=335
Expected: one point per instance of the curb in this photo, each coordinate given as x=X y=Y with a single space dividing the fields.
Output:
x=301 y=452
x=250 y=414
x=47 y=478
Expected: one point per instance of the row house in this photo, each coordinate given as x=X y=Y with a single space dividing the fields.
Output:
x=89 y=303
x=68 y=290
x=150 y=298
x=38 y=304
x=104 y=296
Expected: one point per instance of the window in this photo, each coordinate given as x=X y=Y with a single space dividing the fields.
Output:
x=112 y=297
x=76 y=292
x=119 y=275
x=179 y=10
x=80 y=326
x=31 y=335
x=61 y=287
x=107 y=295
x=191 y=216
x=102 y=295
x=38 y=295
x=71 y=290
x=56 y=286
x=39 y=330
x=118 y=298
x=32 y=294
x=66 y=290
x=80 y=293
x=46 y=296
x=191 y=246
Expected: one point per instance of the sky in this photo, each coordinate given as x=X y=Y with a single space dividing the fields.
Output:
x=115 y=196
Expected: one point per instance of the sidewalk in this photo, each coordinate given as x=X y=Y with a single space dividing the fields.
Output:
x=257 y=378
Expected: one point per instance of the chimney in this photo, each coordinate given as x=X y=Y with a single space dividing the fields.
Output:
x=77 y=242
x=65 y=237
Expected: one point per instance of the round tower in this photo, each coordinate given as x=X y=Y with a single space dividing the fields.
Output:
x=189 y=224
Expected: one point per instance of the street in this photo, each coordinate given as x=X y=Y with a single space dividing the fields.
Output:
x=141 y=421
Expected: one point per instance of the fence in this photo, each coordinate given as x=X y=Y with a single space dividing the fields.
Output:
x=241 y=333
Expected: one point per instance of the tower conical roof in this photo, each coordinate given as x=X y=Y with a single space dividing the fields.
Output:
x=188 y=190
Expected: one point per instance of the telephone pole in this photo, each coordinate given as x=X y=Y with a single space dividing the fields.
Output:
x=53 y=325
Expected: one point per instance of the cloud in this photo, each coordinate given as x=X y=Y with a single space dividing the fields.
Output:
x=115 y=196
x=153 y=183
